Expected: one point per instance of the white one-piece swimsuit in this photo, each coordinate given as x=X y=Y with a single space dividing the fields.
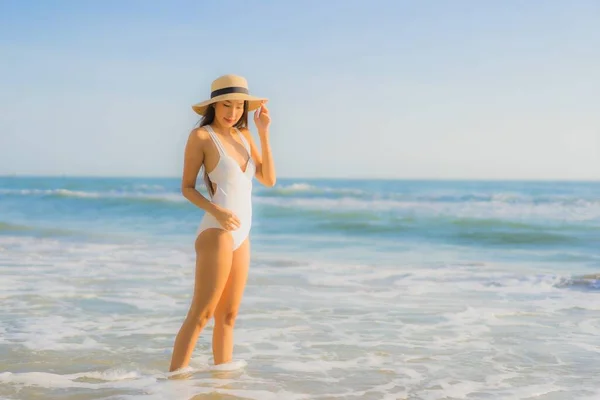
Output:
x=234 y=190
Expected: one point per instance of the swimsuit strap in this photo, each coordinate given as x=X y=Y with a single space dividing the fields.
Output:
x=216 y=140
x=245 y=142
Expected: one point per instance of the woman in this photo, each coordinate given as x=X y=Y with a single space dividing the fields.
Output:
x=223 y=147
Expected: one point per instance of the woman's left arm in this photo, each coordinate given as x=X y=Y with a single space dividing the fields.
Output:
x=265 y=166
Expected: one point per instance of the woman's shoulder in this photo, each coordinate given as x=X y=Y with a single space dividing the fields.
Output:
x=199 y=131
x=199 y=134
x=198 y=138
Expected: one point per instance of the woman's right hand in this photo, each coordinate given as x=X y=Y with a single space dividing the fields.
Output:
x=228 y=220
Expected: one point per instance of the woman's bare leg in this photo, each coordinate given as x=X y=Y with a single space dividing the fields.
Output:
x=213 y=263
x=229 y=304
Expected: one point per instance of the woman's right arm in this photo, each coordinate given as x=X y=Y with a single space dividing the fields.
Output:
x=192 y=162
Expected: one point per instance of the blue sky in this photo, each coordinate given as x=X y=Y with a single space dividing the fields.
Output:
x=382 y=89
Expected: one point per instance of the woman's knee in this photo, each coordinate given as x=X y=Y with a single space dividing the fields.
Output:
x=201 y=317
x=226 y=318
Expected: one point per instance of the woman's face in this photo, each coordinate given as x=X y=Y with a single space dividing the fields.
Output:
x=229 y=112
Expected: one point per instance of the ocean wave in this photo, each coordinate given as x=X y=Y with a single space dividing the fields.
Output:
x=8 y=227
x=53 y=231
x=581 y=211
x=331 y=203
x=588 y=282
x=307 y=191
x=101 y=195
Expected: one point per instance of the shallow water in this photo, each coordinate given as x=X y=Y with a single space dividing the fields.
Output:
x=357 y=290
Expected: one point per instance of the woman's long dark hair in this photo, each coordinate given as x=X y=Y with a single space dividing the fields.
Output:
x=207 y=119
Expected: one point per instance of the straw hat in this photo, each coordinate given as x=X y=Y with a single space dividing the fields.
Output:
x=229 y=87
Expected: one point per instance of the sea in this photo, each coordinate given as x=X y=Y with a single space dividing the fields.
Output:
x=358 y=289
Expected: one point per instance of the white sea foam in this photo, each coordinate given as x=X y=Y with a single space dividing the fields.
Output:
x=99 y=320
x=584 y=210
x=140 y=193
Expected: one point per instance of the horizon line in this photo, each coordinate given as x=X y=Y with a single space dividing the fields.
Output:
x=298 y=177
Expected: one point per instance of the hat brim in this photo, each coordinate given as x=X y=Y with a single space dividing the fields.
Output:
x=253 y=101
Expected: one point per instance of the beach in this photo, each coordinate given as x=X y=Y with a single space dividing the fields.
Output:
x=358 y=289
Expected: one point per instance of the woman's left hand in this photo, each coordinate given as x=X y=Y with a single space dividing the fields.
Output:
x=262 y=119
